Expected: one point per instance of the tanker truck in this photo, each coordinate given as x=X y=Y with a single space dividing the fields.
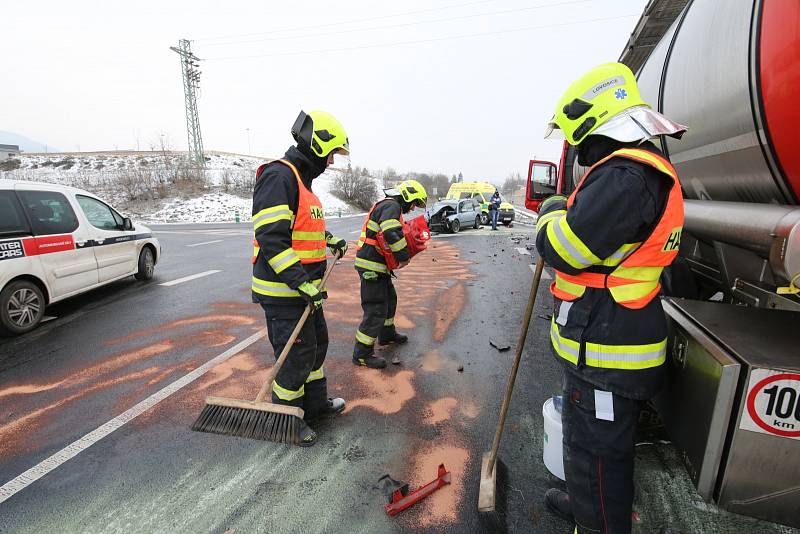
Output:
x=730 y=70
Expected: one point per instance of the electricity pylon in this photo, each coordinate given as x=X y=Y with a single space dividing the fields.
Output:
x=191 y=86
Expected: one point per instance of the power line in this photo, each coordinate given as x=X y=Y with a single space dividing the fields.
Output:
x=191 y=85
x=352 y=21
x=420 y=41
x=400 y=25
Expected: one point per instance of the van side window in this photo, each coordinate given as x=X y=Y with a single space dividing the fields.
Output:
x=99 y=214
x=50 y=212
x=12 y=218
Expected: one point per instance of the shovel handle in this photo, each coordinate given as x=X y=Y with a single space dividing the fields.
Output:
x=523 y=333
x=273 y=372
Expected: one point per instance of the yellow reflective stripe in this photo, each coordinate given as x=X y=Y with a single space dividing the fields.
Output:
x=631 y=357
x=632 y=291
x=570 y=287
x=643 y=274
x=573 y=245
x=288 y=394
x=371 y=265
x=566 y=348
x=628 y=357
x=547 y=217
x=399 y=245
x=372 y=225
x=389 y=322
x=620 y=254
x=277 y=289
x=271 y=215
x=389 y=224
x=315 y=375
x=307 y=254
x=562 y=246
x=299 y=235
x=361 y=337
x=281 y=261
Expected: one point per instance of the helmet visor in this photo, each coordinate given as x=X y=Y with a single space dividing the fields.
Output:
x=639 y=123
x=553 y=132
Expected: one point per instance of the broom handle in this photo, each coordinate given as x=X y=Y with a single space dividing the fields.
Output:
x=523 y=333
x=292 y=338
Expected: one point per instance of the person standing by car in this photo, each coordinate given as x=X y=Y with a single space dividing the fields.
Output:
x=494 y=208
x=289 y=259
x=378 y=295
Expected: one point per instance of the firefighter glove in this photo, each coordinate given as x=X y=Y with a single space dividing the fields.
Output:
x=337 y=245
x=556 y=202
x=311 y=294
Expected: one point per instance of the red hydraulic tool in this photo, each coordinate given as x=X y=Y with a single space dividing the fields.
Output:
x=401 y=499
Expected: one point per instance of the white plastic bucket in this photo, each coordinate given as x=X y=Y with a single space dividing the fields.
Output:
x=552 y=449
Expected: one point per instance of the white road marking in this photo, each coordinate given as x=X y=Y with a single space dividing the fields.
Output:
x=545 y=274
x=205 y=243
x=356 y=232
x=523 y=251
x=22 y=481
x=190 y=277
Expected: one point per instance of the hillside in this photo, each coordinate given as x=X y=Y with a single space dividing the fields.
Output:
x=161 y=186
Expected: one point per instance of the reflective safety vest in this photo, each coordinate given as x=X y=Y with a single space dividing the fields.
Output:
x=308 y=225
x=635 y=280
x=372 y=225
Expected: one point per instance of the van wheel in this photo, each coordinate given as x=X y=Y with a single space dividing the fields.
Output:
x=21 y=307
x=477 y=223
x=147 y=264
x=455 y=226
x=484 y=219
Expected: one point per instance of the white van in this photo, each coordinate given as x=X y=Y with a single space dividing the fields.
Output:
x=57 y=242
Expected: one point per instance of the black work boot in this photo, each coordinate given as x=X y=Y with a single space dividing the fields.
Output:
x=369 y=360
x=557 y=503
x=398 y=339
x=306 y=435
x=331 y=407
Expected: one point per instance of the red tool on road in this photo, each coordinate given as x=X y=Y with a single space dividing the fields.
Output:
x=401 y=499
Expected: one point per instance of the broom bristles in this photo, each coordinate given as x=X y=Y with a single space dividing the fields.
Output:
x=250 y=423
x=494 y=520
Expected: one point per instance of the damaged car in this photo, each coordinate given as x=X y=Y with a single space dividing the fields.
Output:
x=453 y=215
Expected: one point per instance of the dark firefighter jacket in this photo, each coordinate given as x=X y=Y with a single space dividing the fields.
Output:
x=277 y=186
x=620 y=202
x=385 y=216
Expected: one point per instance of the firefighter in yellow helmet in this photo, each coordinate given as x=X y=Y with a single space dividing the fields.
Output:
x=289 y=259
x=378 y=295
x=608 y=244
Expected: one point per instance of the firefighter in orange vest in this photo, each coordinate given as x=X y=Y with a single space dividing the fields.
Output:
x=289 y=260
x=378 y=295
x=608 y=244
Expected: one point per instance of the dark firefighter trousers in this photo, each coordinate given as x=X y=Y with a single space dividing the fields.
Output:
x=379 y=302
x=300 y=371
x=598 y=458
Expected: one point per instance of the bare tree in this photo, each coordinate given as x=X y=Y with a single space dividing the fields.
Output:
x=356 y=187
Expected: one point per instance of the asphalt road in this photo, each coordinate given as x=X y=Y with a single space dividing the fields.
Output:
x=68 y=388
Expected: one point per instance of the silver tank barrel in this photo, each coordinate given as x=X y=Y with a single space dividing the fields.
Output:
x=771 y=231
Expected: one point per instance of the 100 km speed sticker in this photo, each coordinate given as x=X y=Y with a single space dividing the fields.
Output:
x=773 y=403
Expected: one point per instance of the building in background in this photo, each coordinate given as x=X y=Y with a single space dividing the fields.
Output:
x=8 y=151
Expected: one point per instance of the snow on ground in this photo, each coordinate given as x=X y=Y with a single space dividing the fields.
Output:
x=225 y=187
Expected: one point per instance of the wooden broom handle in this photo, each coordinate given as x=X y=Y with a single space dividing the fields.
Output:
x=523 y=333
x=265 y=389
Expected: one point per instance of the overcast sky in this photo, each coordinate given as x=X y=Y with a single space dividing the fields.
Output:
x=437 y=86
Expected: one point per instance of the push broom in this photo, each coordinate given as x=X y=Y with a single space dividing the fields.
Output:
x=490 y=513
x=258 y=419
